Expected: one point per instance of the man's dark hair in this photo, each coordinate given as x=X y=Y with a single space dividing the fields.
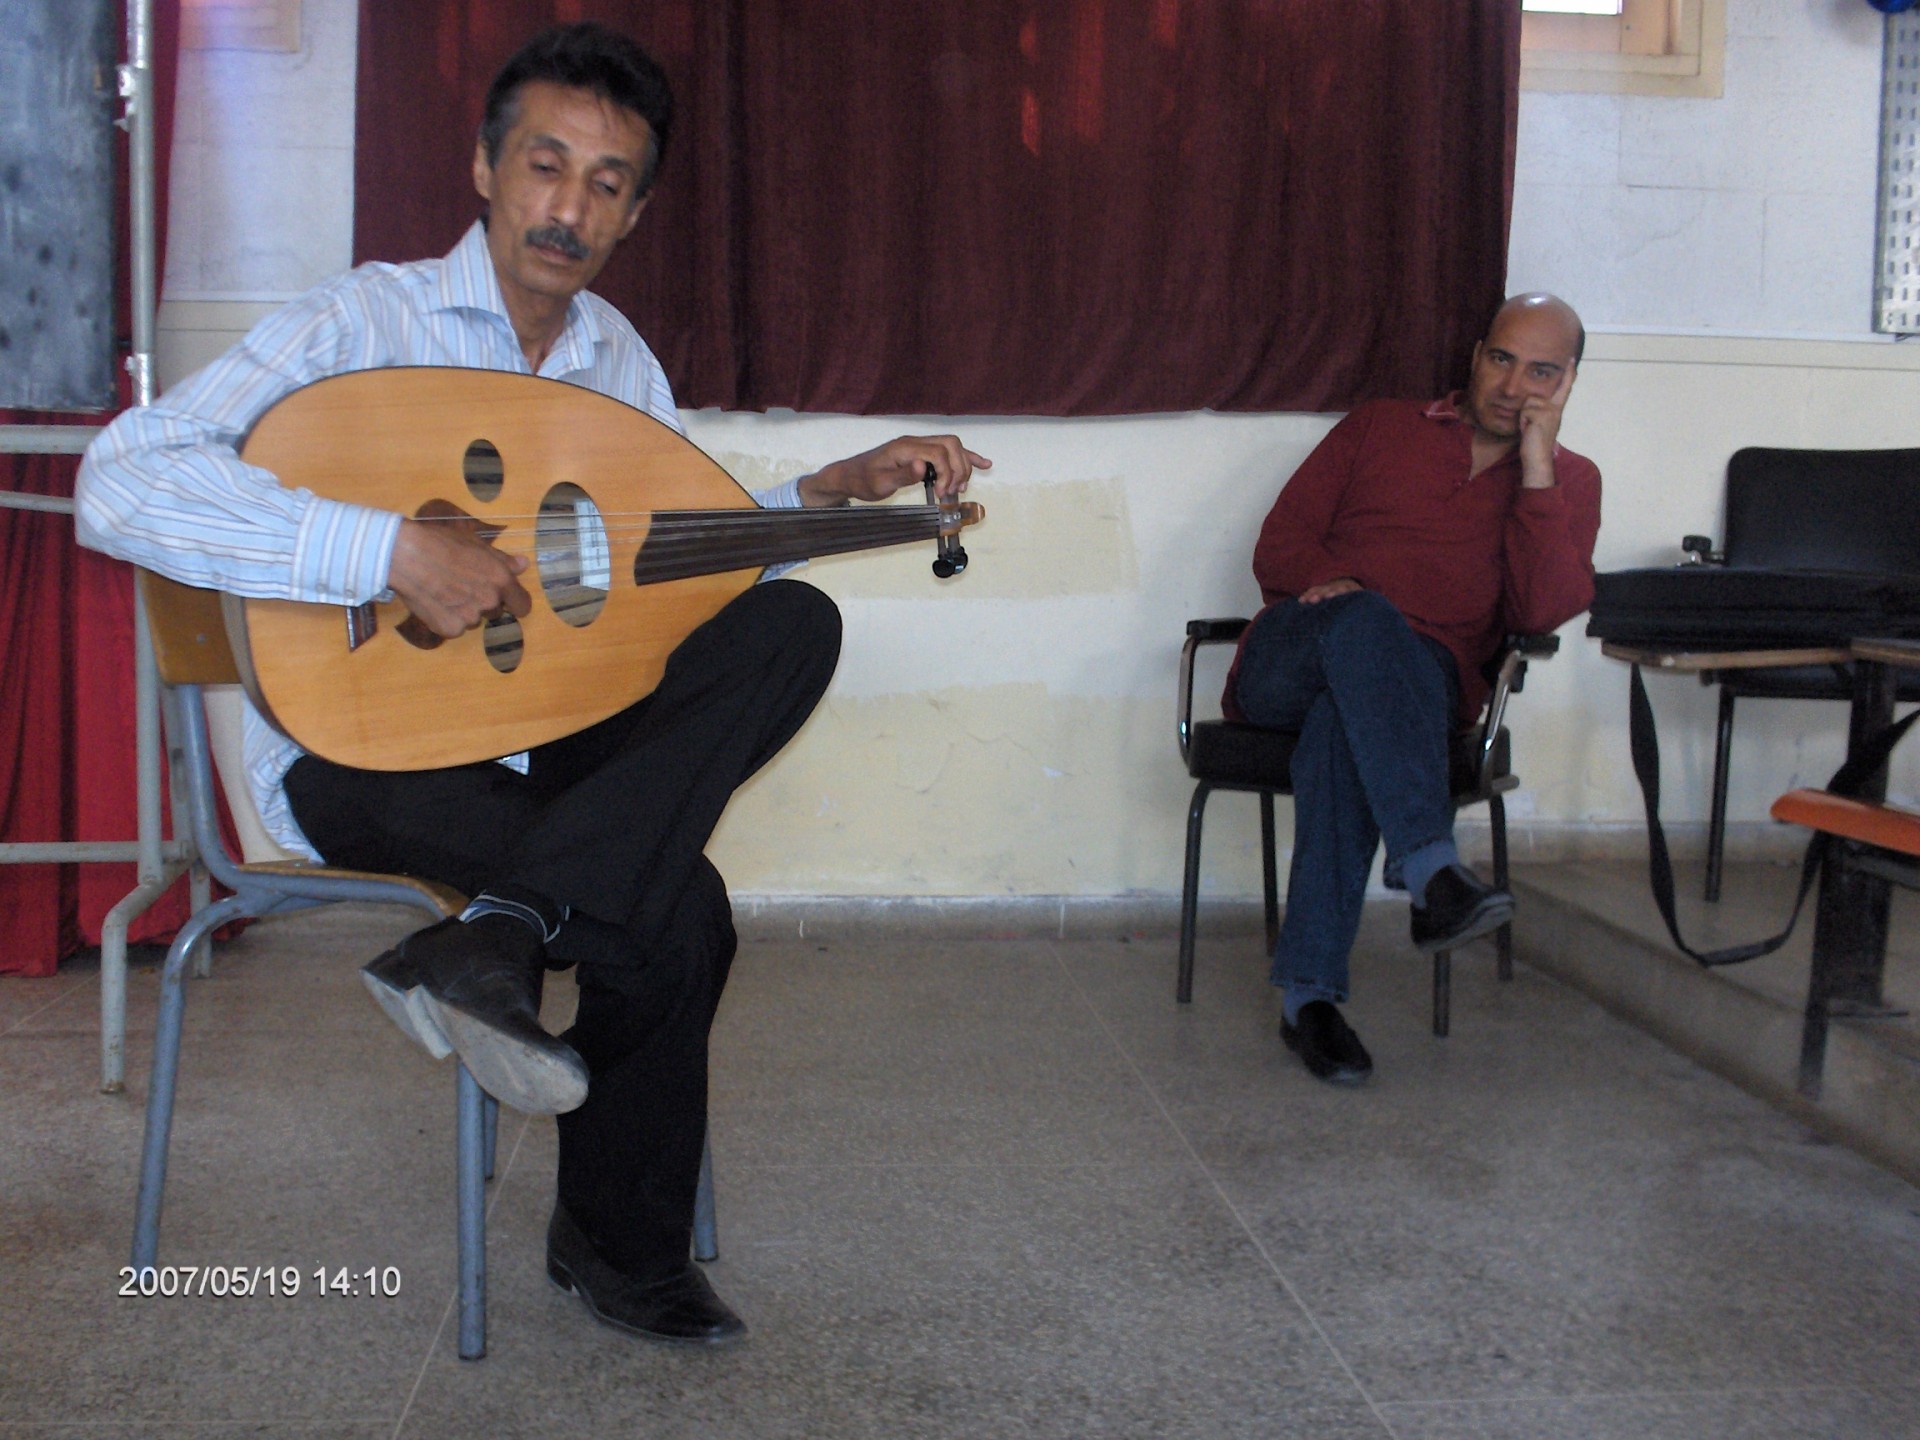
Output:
x=586 y=56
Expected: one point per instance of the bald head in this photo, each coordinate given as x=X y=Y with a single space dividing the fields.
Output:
x=1546 y=307
x=1531 y=350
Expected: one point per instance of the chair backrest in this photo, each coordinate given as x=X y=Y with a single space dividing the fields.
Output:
x=189 y=635
x=1853 y=510
x=190 y=648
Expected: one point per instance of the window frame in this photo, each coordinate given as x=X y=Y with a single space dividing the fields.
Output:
x=1654 y=47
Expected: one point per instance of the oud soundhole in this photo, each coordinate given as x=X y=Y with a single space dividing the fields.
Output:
x=571 y=548
x=483 y=471
x=503 y=642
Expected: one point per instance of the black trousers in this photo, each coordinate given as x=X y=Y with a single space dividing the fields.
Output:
x=612 y=823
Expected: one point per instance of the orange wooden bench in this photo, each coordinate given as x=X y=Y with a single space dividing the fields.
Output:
x=1874 y=838
x=1886 y=827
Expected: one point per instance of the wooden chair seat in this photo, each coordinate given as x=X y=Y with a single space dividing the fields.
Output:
x=450 y=900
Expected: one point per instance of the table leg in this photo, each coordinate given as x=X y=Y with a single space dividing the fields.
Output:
x=1850 y=917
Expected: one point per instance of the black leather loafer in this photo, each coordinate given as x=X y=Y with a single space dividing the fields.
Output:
x=1459 y=908
x=1327 y=1045
x=475 y=988
x=679 y=1308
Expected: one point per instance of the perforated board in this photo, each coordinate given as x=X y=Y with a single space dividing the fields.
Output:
x=1897 y=287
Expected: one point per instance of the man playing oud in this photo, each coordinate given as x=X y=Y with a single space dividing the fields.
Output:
x=589 y=852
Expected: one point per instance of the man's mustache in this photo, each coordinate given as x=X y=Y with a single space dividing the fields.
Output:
x=558 y=237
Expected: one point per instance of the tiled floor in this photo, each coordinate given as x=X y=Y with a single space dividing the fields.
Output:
x=974 y=1189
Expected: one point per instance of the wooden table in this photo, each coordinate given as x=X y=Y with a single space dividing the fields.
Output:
x=1852 y=909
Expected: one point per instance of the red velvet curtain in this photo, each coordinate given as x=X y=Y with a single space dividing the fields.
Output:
x=66 y=672
x=1062 y=207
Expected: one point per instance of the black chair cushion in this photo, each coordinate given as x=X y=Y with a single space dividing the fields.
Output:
x=1252 y=757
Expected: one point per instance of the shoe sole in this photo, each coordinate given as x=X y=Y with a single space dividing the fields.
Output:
x=562 y=1279
x=407 y=1009
x=530 y=1079
x=1484 y=921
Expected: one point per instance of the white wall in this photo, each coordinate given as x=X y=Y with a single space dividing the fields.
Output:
x=1009 y=733
x=1753 y=212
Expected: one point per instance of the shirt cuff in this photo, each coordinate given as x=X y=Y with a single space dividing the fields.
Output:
x=785 y=496
x=1552 y=500
x=341 y=552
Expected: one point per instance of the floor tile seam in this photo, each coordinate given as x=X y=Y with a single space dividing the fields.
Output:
x=1226 y=1201
x=1654 y=1392
x=79 y=983
x=791 y=1167
x=497 y=1187
x=325 y=1423
x=1705 y=1392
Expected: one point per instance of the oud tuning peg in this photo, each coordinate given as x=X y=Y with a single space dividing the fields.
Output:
x=952 y=558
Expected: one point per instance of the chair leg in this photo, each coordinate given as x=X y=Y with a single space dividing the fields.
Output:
x=491 y=1116
x=1269 y=876
x=1717 y=813
x=470 y=1143
x=1190 y=892
x=1502 y=879
x=199 y=896
x=1442 y=992
x=706 y=1231
x=166 y=1072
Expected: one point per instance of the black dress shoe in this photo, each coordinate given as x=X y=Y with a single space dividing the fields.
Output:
x=1459 y=907
x=1327 y=1045
x=679 y=1307
x=475 y=988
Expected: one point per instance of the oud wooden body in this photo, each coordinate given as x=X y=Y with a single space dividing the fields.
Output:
x=396 y=439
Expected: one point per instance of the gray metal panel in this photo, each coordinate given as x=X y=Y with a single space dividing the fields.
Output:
x=57 y=103
x=1896 y=308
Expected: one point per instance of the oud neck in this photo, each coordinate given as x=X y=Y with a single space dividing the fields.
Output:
x=684 y=543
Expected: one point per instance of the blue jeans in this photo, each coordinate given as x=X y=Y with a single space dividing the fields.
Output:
x=1374 y=705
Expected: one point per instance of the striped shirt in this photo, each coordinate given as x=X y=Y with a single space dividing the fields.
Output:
x=164 y=487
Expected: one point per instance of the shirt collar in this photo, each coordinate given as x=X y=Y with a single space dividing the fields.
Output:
x=467 y=282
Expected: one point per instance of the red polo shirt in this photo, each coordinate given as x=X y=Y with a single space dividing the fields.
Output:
x=1386 y=500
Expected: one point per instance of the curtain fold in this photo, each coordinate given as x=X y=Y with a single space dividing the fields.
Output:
x=66 y=669
x=1078 y=207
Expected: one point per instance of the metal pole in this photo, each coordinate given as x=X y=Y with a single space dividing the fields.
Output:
x=136 y=88
x=136 y=84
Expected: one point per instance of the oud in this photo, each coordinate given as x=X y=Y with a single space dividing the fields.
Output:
x=635 y=538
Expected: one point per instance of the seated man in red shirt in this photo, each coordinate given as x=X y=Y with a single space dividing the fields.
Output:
x=1412 y=540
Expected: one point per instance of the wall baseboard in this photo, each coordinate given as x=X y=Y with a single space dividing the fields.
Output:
x=826 y=918
x=1551 y=842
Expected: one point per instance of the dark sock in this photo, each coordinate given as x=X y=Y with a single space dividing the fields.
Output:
x=526 y=907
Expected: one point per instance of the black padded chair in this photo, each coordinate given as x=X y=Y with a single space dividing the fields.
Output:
x=1227 y=755
x=1855 y=510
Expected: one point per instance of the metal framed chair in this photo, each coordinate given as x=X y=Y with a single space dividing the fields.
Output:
x=1852 y=510
x=191 y=651
x=1229 y=755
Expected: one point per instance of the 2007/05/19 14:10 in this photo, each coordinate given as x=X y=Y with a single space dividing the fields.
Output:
x=245 y=1281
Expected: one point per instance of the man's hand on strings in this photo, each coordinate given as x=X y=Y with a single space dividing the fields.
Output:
x=452 y=579
x=879 y=472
